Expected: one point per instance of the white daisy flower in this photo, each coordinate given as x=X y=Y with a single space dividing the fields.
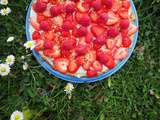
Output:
x=25 y=66
x=17 y=115
x=29 y=45
x=5 y=11
x=68 y=88
x=3 y=2
x=10 y=60
x=4 y=69
x=10 y=39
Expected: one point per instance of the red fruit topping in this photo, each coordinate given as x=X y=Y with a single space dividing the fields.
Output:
x=82 y=31
x=39 y=45
x=56 y=10
x=96 y=4
x=110 y=64
x=123 y=13
x=113 y=32
x=61 y=65
x=124 y=24
x=36 y=35
x=84 y=20
x=93 y=16
x=120 y=54
x=102 y=57
x=112 y=18
x=108 y=3
x=67 y=25
x=40 y=6
x=126 y=4
x=126 y=42
x=111 y=43
x=75 y=0
x=40 y=18
x=91 y=73
x=48 y=52
x=70 y=8
x=45 y=26
x=102 y=19
x=73 y=66
x=81 y=49
x=34 y=24
x=86 y=65
x=132 y=29
x=48 y=44
x=100 y=40
x=97 y=30
x=82 y=6
x=88 y=37
x=97 y=66
x=68 y=44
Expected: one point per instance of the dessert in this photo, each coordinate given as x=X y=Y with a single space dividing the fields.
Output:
x=82 y=37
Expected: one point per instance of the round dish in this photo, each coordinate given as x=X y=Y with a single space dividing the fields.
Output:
x=83 y=79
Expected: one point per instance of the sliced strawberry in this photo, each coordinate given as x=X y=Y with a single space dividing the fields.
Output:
x=126 y=42
x=73 y=66
x=39 y=45
x=80 y=32
x=86 y=65
x=70 y=8
x=80 y=60
x=82 y=6
x=111 y=43
x=102 y=57
x=113 y=32
x=48 y=52
x=36 y=35
x=100 y=40
x=121 y=53
x=118 y=40
x=61 y=65
x=81 y=49
x=93 y=16
x=96 y=4
x=97 y=30
x=132 y=29
x=58 y=20
x=124 y=24
x=110 y=64
x=57 y=51
x=102 y=19
x=123 y=13
x=45 y=26
x=91 y=73
x=48 y=44
x=40 y=6
x=116 y=5
x=97 y=66
x=90 y=56
x=35 y=24
x=89 y=37
x=108 y=3
x=68 y=43
x=47 y=12
x=112 y=18
x=49 y=35
x=126 y=4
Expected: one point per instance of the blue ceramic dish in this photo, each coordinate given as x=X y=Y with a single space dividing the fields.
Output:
x=85 y=79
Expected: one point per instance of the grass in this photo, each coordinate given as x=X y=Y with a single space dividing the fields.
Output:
x=126 y=95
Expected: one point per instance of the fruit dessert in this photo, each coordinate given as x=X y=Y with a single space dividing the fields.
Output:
x=82 y=37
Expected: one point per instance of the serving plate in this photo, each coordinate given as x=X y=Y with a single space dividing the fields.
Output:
x=73 y=79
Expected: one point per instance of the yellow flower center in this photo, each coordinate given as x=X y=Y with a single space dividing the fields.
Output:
x=9 y=60
x=67 y=88
x=30 y=44
x=3 y=69
x=17 y=117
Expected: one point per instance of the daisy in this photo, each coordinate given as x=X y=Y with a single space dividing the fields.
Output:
x=17 y=115
x=3 y=2
x=25 y=66
x=29 y=44
x=4 y=69
x=68 y=88
x=5 y=11
x=10 y=39
x=10 y=60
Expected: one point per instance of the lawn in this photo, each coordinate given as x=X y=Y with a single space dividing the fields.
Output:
x=133 y=93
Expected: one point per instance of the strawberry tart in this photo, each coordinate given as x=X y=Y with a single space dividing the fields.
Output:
x=82 y=38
